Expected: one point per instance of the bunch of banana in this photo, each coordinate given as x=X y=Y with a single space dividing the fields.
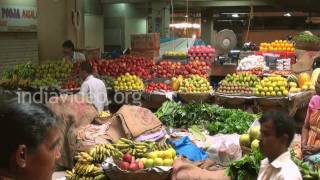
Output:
x=85 y=171
x=101 y=152
x=162 y=146
x=137 y=149
x=84 y=157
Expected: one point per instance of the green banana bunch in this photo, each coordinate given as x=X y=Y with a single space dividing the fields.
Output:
x=85 y=172
x=162 y=146
x=137 y=149
x=101 y=152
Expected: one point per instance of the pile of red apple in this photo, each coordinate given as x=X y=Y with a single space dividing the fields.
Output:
x=194 y=67
x=134 y=65
x=203 y=53
x=166 y=69
x=94 y=63
x=130 y=164
x=70 y=84
x=151 y=87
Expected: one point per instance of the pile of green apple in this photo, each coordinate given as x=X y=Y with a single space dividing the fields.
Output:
x=242 y=83
x=273 y=85
x=252 y=139
x=159 y=158
x=195 y=84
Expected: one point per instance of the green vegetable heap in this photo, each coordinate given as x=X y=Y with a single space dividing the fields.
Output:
x=306 y=37
x=246 y=168
x=216 y=118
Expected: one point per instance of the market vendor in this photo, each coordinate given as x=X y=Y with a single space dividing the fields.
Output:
x=277 y=132
x=30 y=141
x=310 y=132
x=70 y=54
x=92 y=87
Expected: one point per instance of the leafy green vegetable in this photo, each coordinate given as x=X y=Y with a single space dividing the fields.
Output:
x=246 y=168
x=306 y=37
x=216 y=119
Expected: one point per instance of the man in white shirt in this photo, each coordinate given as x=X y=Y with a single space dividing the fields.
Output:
x=70 y=54
x=277 y=132
x=92 y=87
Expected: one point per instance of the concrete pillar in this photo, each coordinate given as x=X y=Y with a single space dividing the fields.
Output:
x=165 y=30
x=55 y=26
x=207 y=32
x=160 y=18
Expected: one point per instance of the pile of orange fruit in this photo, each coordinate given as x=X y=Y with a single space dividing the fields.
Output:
x=278 y=46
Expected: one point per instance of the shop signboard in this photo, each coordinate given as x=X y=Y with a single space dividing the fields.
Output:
x=18 y=18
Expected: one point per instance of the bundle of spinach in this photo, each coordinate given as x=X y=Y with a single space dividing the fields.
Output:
x=231 y=121
x=214 y=117
x=246 y=168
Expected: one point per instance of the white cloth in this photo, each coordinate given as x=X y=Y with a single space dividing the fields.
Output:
x=96 y=91
x=282 y=168
x=78 y=56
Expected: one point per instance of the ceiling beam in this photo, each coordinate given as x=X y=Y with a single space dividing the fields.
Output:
x=198 y=3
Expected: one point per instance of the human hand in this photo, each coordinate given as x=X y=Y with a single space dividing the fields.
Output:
x=185 y=171
x=309 y=150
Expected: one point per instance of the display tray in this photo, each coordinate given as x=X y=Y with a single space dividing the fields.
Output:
x=65 y=91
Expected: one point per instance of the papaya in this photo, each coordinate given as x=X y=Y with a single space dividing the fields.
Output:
x=303 y=78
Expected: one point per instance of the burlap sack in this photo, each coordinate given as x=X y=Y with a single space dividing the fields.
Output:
x=133 y=121
x=72 y=112
x=85 y=137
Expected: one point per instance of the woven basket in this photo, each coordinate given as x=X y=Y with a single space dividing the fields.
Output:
x=153 y=101
x=308 y=46
x=194 y=97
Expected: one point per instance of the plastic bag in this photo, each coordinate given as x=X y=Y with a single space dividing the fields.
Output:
x=224 y=148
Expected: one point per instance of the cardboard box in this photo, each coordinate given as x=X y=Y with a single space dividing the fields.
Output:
x=145 y=42
x=152 y=54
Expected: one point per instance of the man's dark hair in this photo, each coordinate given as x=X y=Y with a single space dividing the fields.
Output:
x=282 y=123
x=68 y=44
x=87 y=67
x=22 y=124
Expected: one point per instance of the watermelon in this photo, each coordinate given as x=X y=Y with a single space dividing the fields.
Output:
x=292 y=78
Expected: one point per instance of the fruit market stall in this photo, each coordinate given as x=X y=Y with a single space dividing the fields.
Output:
x=247 y=91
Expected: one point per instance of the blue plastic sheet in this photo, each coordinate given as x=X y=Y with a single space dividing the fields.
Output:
x=185 y=147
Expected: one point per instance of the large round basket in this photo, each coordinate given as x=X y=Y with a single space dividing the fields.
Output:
x=308 y=46
x=194 y=97
x=152 y=100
